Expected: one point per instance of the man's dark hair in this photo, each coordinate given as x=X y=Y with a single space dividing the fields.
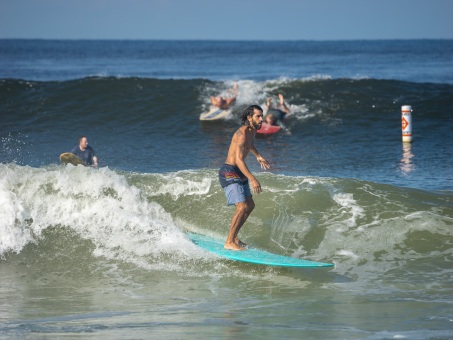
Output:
x=249 y=112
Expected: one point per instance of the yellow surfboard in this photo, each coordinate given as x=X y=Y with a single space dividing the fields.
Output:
x=70 y=158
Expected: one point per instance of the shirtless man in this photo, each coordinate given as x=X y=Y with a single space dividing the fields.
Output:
x=273 y=115
x=234 y=176
x=225 y=103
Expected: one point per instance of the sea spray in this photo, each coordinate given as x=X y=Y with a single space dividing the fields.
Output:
x=99 y=205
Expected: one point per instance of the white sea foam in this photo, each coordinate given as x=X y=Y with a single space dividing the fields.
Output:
x=257 y=92
x=99 y=205
x=348 y=253
x=349 y=207
x=177 y=186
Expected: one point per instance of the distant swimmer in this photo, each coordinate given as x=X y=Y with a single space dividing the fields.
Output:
x=274 y=115
x=225 y=103
x=85 y=152
x=234 y=175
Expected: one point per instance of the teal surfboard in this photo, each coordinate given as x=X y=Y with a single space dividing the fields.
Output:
x=251 y=255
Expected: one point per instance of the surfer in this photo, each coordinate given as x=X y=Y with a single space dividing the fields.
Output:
x=234 y=175
x=225 y=103
x=85 y=152
x=273 y=115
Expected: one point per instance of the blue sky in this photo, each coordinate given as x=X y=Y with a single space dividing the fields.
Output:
x=227 y=20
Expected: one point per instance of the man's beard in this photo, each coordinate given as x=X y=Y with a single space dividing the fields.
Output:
x=257 y=126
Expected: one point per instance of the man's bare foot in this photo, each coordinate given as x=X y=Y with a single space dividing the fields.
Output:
x=240 y=243
x=233 y=246
x=282 y=100
x=234 y=90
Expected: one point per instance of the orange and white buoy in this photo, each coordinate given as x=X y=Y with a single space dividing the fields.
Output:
x=406 y=122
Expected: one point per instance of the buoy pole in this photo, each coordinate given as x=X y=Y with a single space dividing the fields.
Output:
x=406 y=123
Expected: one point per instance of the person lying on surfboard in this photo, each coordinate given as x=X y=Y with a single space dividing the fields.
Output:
x=273 y=115
x=225 y=103
x=234 y=175
x=85 y=152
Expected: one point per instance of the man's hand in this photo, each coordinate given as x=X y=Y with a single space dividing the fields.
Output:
x=263 y=162
x=256 y=186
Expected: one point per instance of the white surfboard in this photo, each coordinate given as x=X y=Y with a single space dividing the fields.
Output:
x=215 y=113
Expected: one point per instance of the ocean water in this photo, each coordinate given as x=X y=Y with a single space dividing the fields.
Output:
x=102 y=253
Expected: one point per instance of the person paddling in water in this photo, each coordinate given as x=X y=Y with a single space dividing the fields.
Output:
x=85 y=152
x=225 y=103
x=234 y=176
x=274 y=115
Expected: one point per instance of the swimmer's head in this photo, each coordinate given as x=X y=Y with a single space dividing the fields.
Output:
x=83 y=142
x=220 y=100
x=270 y=119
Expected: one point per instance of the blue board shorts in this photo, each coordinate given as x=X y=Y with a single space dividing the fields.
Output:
x=234 y=183
x=236 y=193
